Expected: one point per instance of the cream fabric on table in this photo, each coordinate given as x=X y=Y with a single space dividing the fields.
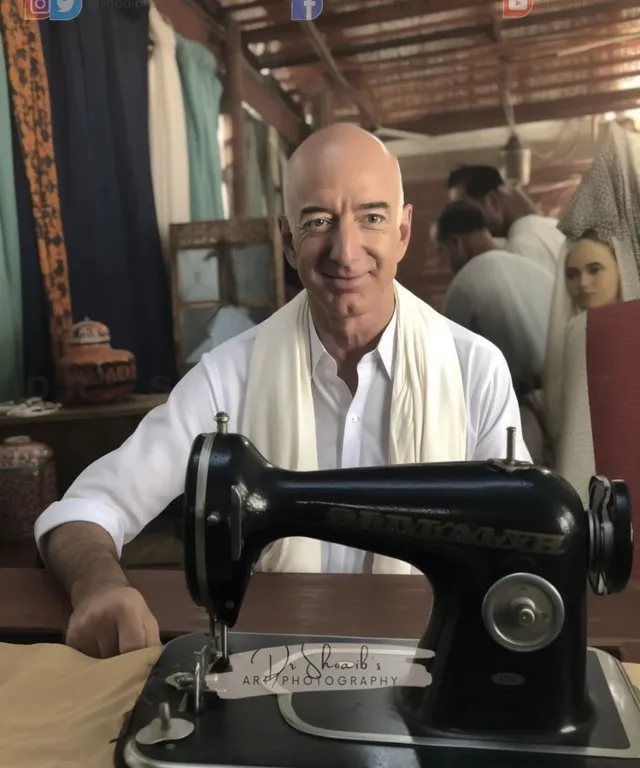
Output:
x=62 y=709
x=428 y=412
x=167 y=131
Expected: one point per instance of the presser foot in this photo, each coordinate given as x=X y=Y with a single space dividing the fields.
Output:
x=164 y=728
x=209 y=660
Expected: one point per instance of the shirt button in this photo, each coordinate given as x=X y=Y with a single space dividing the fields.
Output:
x=354 y=419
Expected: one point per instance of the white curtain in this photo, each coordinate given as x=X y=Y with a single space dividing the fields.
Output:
x=167 y=130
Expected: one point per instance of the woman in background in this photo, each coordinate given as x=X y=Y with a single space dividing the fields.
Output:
x=601 y=259
x=592 y=277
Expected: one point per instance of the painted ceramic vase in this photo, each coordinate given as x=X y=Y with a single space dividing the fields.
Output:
x=28 y=485
x=92 y=372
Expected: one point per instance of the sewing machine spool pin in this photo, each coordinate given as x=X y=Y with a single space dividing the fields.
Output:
x=222 y=422
x=164 y=728
x=511 y=445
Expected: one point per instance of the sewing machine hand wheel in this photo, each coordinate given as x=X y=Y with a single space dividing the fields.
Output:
x=611 y=534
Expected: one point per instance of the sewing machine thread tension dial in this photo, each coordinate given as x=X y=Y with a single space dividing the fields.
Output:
x=523 y=612
x=164 y=728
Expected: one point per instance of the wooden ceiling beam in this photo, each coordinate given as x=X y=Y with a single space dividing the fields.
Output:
x=462 y=58
x=299 y=60
x=428 y=6
x=442 y=78
x=540 y=175
x=361 y=101
x=488 y=72
x=269 y=103
x=443 y=123
x=454 y=33
x=399 y=10
x=423 y=99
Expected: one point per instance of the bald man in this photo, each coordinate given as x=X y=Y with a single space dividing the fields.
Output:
x=351 y=368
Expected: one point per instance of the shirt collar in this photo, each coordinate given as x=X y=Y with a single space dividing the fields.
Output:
x=384 y=352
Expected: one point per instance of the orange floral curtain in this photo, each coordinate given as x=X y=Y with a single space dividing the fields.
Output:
x=32 y=109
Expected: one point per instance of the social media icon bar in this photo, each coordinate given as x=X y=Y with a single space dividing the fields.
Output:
x=516 y=9
x=55 y=10
x=305 y=10
x=36 y=10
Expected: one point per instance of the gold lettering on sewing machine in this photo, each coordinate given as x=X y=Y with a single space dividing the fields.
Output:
x=439 y=530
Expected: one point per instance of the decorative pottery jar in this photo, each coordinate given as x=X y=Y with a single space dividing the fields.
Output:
x=28 y=485
x=92 y=372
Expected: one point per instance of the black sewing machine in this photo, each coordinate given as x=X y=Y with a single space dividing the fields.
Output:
x=508 y=549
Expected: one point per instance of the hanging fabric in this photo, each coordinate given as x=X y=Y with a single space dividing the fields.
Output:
x=256 y=150
x=31 y=104
x=97 y=65
x=167 y=130
x=39 y=368
x=11 y=357
x=202 y=90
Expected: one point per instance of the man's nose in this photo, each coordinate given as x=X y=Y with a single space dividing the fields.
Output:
x=346 y=246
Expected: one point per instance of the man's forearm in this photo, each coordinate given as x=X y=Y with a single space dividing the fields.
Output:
x=84 y=558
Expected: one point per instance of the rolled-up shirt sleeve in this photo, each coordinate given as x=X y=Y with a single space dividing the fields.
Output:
x=125 y=490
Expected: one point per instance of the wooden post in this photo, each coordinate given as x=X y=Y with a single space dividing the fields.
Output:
x=322 y=108
x=236 y=110
x=327 y=107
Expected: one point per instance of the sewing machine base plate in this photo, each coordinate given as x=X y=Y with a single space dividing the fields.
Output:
x=353 y=729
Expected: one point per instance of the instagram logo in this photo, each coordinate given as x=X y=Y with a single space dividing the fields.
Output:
x=35 y=10
x=516 y=9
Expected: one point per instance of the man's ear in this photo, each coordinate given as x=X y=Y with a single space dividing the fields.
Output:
x=405 y=230
x=493 y=200
x=286 y=238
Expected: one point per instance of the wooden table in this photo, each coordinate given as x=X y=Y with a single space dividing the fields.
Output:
x=32 y=605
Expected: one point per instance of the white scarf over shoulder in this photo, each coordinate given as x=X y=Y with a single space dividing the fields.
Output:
x=428 y=410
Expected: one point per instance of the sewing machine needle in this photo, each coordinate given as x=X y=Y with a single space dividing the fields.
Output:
x=221 y=640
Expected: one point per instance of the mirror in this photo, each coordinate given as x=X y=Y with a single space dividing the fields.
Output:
x=227 y=277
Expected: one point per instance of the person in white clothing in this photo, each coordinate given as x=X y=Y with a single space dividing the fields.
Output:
x=510 y=214
x=504 y=298
x=354 y=371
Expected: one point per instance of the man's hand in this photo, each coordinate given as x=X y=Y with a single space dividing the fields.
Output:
x=112 y=622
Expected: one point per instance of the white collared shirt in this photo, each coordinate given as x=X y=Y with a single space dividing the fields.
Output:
x=506 y=299
x=126 y=489
x=537 y=238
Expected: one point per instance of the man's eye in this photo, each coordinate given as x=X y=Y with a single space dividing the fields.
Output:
x=318 y=223
x=374 y=218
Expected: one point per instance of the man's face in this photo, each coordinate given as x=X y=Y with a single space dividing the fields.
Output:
x=346 y=234
x=491 y=205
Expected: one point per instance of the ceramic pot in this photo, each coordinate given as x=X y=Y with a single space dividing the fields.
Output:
x=28 y=486
x=91 y=371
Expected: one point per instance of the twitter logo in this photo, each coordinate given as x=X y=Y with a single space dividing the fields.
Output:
x=64 y=10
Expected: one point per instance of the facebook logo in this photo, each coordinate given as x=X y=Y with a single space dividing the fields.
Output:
x=305 y=10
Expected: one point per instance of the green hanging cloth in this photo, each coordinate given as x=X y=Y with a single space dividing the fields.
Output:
x=11 y=363
x=256 y=149
x=201 y=90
